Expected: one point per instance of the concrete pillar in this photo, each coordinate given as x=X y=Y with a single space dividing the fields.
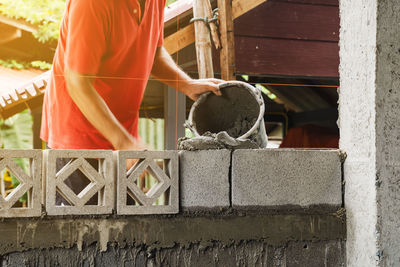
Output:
x=369 y=115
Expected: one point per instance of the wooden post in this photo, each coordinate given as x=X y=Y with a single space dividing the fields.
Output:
x=227 y=53
x=174 y=117
x=37 y=121
x=203 y=41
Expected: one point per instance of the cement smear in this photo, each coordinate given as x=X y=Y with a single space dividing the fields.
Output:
x=221 y=140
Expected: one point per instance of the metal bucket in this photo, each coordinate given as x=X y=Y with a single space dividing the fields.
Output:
x=239 y=112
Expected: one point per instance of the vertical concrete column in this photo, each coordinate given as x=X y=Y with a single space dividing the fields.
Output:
x=370 y=129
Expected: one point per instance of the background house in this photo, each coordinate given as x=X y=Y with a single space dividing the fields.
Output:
x=287 y=48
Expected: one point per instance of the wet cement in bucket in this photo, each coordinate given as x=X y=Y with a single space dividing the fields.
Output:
x=220 y=120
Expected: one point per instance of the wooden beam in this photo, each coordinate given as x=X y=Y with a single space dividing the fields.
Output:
x=227 y=54
x=184 y=37
x=19 y=23
x=203 y=41
x=180 y=39
x=9 y=34
x=240 y=7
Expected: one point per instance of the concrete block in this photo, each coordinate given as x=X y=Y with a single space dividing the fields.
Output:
x=96 y=197
x=204 y=177
x=151 y=185
x=275 y=178
x=30 y=183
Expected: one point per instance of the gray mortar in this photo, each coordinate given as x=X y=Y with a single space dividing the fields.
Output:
x=238 y=253
x=241 y=125
x=211 y=141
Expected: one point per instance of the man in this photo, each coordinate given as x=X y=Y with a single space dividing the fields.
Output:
x=106 y=52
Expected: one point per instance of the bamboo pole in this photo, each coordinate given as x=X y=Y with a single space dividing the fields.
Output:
x=227 y=54
x=203 y=41
x=213 y=25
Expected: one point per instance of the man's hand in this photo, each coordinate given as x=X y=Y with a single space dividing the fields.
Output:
x=166 y=70
x=194 y=88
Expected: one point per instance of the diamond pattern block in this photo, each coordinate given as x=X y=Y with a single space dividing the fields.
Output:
x=97 y=197
x=162 y=197
x=29 y=184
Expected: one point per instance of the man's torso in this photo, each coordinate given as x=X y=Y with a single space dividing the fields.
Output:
x=121 y=59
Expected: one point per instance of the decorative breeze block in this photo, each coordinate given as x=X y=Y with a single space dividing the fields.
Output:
x=157 y=169
x=29 y=183
x=97 y=196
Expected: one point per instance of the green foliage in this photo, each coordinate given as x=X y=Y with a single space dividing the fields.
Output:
x=43 y=65
x=266 y=91
x=170 y=2
x=46 y=14
x=16 y=133
x=20 y=65
x=14 y=64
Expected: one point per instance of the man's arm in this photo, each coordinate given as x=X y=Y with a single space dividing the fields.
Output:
x=96 y=111
x=166 y=70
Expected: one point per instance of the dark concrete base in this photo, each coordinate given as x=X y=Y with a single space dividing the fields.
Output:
x=190 y=239
x=244 y=253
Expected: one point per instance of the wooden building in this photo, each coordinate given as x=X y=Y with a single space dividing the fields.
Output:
x=288 y=46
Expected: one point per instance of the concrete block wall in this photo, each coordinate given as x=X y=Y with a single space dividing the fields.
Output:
x=211 y=179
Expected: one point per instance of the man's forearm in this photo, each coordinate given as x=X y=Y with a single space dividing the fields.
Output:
x=166 y=71
x=96 y=110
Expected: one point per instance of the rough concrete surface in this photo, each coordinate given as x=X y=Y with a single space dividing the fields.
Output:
x=165 y=231
x=167 y=176
x=102 y=182
x=241 y=253
x=369 y=129
x=29 y=182
x=275 y=178
x=357 y=127
x=388 y=131
x=205 y=178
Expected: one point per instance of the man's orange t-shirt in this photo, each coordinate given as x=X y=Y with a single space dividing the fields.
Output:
x=112 y=40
